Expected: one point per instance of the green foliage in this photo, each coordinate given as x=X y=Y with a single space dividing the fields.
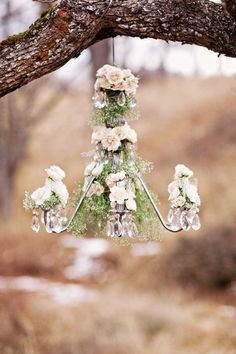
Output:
x=109 y=113
x=93 y=211
x=50 y=203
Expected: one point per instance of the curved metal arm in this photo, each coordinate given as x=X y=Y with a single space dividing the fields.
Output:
x=166 y=226
x=78 y=205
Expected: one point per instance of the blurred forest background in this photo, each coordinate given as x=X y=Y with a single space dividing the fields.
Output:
x=62 y=295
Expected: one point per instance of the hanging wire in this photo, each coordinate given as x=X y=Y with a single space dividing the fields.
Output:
x=113 y=50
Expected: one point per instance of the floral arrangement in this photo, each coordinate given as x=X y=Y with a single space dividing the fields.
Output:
x=112 y=197
x=184 y=200
x=51 y=199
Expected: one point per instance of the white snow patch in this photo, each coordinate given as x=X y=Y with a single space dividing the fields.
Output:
x=66 y=294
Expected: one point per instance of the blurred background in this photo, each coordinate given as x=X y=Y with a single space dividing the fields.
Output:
x=63 y=295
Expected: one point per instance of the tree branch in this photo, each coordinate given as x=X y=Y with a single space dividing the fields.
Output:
x=67 y=29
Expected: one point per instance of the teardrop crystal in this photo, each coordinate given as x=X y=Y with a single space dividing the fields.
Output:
x=35 y=223
x=196 y=225
x=184 y=221
x=132 y=102
x=190 y=214
x=121 y=99
x=100 y=100
x=170 y=215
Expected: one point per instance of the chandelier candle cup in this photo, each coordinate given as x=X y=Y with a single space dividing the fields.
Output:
x=113 y=195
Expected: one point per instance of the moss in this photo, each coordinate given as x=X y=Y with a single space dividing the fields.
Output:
x=18 y=37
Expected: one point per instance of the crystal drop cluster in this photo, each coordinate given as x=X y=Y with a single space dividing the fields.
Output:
x=54 y=219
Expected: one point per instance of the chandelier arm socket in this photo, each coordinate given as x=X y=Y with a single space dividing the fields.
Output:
x=78 y=205
x=164 y=224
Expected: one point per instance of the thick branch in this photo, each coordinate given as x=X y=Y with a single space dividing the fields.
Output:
x=66 y=30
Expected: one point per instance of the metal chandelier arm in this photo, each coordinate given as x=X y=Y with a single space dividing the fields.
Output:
x=166 y=226
x=79 y=204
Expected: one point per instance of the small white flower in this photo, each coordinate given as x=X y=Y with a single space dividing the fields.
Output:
x=173 y=189
x=192 y=194
x=131 y=204
x=111 y=141
x=98 y=134
x=182 y=171
x=60 y=190
x=96 y=188
x=179 y=201
x=118 y=194
x=89 y=168
x=40 y=195
x=55 y=173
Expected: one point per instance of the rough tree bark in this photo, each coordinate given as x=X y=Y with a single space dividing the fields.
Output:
x=67 y=29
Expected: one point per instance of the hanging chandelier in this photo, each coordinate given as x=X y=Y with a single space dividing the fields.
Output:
x=113 y=196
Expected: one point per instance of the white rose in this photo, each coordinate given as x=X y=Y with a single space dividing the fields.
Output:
x=179 y=201
x=114 y=75
x=55 y=173
x=60 y=190
x=115 y=177
x=89 y=168
x=182 y=171
x=130 y=134
x=173 y=189
x=40 y=195
x=96 y=188
x=118 y=194
x=103 y=70
x=111 y=141
x=120 y=132
x=192 y=194
x=97 y=170
x=98 y=134
x=131 y=204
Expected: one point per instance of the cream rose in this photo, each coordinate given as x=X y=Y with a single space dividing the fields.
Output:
x=182 y=171
x=192 y=194
x=98 y=134
x=114 y=75
x=60 y=190
x=111 y=141
x=179 y=201
x=118 y=194
x=40 y=195
x=114 y=177
x=131 y=204
x=55 y=173
x=173 y=189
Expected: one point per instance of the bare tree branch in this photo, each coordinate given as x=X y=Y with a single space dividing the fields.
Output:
x=73 y=25
x=230 y=6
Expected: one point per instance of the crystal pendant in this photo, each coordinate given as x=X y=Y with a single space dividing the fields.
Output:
x=48 y=221
x=121 y=99
x=196 y=224
x=35 y=222
x=100 y=100
x=170 y=215
x=184 y=221
x=117 y=226
x=175 y=223
x=110 y=226
x=190 y=214
x=132 y=102
x=129 y=227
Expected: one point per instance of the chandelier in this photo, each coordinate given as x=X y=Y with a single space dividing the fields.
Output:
x=113 y=196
